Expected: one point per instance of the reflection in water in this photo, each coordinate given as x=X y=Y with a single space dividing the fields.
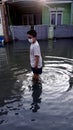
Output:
x=36 y=93
x=70 y=83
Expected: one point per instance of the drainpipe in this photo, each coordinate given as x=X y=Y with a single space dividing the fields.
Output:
x=5 y=23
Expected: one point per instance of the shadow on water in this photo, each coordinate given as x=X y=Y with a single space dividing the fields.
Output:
x=36 y=93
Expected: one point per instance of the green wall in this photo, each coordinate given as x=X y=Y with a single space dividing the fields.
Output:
x=45 y=16
x=66 y=13
x=72 y=13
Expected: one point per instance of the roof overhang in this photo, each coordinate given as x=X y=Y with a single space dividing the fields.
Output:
x=40 y=1
x=59 y=2
x=14 y=1
x=25 y=5
x=23 y=2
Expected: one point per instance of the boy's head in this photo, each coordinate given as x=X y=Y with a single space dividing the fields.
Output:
x=32 y=34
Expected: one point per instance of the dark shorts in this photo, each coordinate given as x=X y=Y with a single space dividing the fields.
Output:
x=37 y=71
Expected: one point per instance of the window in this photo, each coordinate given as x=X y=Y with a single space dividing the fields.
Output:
x=56 y=17
x=59 y=19
x=28 y=19
x=53 y=18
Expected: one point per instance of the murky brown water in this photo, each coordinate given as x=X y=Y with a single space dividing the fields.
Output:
x=46 y=105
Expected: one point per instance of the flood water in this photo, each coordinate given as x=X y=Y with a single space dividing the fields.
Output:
x=47 y=105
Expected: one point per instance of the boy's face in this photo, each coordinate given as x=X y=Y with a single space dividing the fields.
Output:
x=31 y=39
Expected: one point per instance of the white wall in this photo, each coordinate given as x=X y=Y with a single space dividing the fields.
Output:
x=20 y=32
x=1 y=27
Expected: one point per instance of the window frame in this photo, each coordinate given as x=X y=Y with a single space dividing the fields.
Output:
x=28 y=19
x=56 y=15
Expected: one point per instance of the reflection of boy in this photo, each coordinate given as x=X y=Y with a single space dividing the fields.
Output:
x=35 y=54
x=36 y=93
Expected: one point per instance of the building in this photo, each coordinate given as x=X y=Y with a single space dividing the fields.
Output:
x=58 y=12
x=58 y=15
x=24 y=12
x=22 y=15
x=51 y=18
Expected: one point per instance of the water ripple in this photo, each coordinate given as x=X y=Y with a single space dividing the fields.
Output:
x=56 y=73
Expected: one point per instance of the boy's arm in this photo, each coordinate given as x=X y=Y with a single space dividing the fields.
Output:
x=36 y=61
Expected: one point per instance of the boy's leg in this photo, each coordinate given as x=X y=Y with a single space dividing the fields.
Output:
x=36 y=76
x=36 y=73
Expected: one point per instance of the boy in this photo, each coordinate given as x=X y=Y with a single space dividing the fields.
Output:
x=35 y=54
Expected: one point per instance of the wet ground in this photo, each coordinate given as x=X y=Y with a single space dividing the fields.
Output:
x=47 y=105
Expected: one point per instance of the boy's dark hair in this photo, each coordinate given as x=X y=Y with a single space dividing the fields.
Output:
x=32 y=32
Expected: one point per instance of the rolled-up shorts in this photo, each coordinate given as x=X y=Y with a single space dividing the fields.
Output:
x=37 y=71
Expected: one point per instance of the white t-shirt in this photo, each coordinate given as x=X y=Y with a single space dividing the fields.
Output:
x=35 y=51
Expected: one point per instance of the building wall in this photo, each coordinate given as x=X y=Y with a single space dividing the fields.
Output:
x=66 y=13
x=72 y=13
x=20 y=32
x=45 y=16
x=63 y=31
